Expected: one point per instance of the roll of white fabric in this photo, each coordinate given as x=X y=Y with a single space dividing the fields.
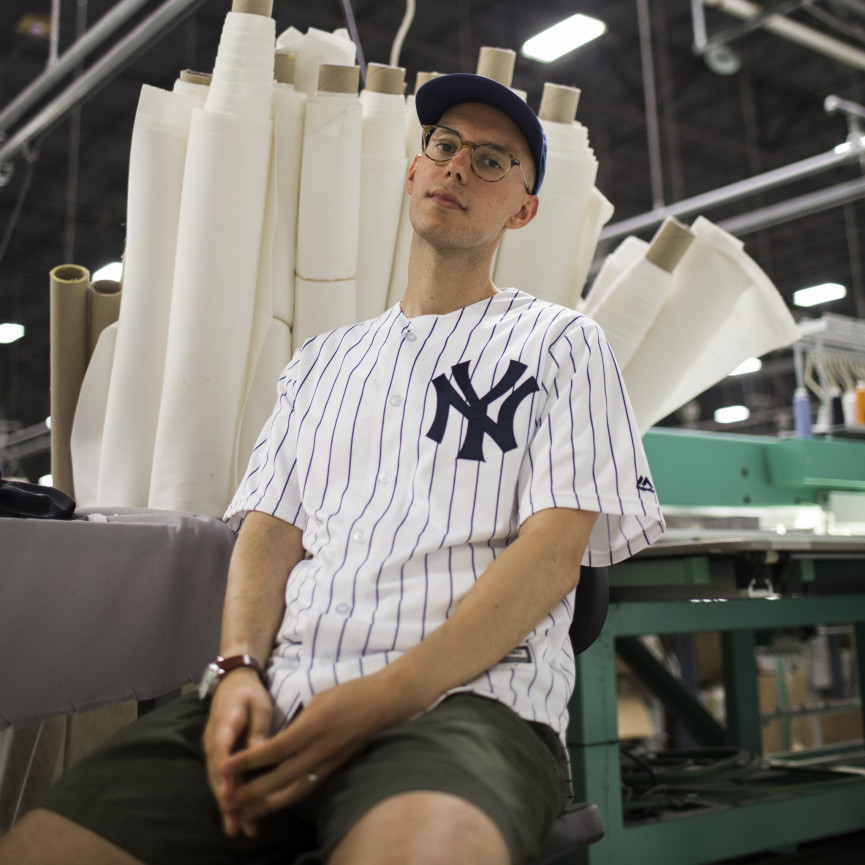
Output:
x=88 y=425
x=630 y=250
x=314 y=48
x=599 y=211
x=289 y=109
x=383 y=170
x=156 y=165
x=722 y=310
x=319 y=307
x=219 y=239
x=261 y=392
x=542 y=257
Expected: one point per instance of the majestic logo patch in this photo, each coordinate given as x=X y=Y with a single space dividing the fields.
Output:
x=474 y=408
x=644 y=485
x=519 y=655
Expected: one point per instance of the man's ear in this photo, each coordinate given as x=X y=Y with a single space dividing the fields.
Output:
x=525 y=214
x=409 y=180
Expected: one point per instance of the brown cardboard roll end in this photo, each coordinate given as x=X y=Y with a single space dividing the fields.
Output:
x=64 y=273
x=253 y=7
x=498 y=64
x=385 y=79
x=193 y=77
x=284 y=67
x=338 y=79
x=423 y=77
x=559 y=103
x=669 y=244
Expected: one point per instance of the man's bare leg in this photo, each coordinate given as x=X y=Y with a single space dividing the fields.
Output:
x=44 y=838
x=423 y=828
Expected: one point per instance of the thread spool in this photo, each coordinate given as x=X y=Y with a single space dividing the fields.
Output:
x=385 y=79
x=860 y=401
x=559 y=103
x=253 y=7
x=423 y=77
x=669 y=244
x=284 y=67
x=338 y=79
x=802 y=413
x=498 y=64
x=188 y=76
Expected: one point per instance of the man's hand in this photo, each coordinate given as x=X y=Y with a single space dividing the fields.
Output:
x=332 y=727
x=240 y=716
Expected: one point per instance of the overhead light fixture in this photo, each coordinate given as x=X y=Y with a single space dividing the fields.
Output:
x=752 y=364
x=9 y=332
x=823 y=293
x=113 y=270
x=558 y=40
x=732 y=414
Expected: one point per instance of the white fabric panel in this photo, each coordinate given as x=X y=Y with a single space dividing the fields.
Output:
x=89 y=422
x=723 y=309
x=542 y=257
x=320 y=306
x=274 y=355
x=156 y=163
x=599 y=211
x=630 y=250
x=402 y=248
x=383 y=171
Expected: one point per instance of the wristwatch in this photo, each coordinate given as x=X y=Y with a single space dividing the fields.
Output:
x=216 y=669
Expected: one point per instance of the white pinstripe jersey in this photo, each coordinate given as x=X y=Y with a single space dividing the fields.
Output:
x=409 y=451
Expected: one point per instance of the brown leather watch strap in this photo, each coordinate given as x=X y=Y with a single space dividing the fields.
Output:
x=234 y=661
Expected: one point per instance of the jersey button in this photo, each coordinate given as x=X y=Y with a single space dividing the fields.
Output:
x=343 y=609
x=384 y=477
x=395 y=399
x=411 y=337
x=358 y=536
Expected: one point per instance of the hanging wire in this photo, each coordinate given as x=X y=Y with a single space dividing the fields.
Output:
x=355 y=37
x=396 y=48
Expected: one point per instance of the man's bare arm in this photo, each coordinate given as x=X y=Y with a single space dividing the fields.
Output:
x=510 y=598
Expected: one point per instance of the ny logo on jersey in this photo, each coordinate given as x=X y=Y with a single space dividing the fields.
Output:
x=474 y=409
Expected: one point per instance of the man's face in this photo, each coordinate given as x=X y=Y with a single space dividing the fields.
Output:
x=451 y=207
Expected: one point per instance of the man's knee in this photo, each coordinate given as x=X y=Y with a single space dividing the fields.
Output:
x=423 y=828
x=45 y=838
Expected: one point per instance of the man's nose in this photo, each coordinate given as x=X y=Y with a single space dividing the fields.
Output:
x=461 y=161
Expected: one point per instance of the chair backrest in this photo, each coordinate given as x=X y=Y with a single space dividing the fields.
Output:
x=590 y=607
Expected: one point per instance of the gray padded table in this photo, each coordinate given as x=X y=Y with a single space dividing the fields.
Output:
x=120 y=604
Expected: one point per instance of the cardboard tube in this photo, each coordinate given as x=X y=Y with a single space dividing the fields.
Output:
x=68 y=360
x=423 y=77
x=253 y=7
x=559 y=103
x=498 y=64
x=103 y=309
x=385 y=79
x=669 y=244
x=338 y=79
x=192 y=77
x=284 y=67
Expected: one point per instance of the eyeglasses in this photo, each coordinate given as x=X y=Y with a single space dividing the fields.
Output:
x=489 y=162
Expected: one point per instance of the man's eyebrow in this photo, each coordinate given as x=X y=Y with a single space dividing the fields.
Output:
x=508 y=149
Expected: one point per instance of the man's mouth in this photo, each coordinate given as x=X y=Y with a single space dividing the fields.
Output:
x=446 y=199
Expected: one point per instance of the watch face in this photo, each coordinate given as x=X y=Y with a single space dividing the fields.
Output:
x=212 y=675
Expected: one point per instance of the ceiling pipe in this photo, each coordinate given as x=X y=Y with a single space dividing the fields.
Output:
x=123 y=53
x=69 y=60
x=795 y=32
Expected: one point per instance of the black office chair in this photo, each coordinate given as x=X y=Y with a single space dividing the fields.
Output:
x=580 y=824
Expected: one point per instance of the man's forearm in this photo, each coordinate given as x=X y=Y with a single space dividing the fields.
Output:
x=266 y=551
x=509 y=599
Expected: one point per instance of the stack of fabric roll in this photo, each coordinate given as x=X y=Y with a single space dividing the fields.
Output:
x=251 y=226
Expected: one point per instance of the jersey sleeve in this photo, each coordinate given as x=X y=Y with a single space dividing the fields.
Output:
x=271 y=482
x=586 y=452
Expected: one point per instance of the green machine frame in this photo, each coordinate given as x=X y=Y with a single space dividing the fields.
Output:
x=678 y=594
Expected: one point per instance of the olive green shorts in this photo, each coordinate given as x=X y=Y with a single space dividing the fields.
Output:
x=145 y=789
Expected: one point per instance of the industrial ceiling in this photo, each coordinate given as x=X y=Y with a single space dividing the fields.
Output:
x=680 y=98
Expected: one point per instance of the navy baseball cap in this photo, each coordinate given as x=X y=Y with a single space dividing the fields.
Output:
x=438 y=94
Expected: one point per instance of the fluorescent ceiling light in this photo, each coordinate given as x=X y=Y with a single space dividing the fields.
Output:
x=558 y=40
x=732 y=414
x=114 y=271
x=10 y=332
x=46 y=481
x=752 y=364
x=819 y=294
